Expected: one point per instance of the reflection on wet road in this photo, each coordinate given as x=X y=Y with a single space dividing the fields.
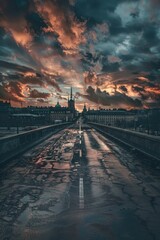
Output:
x=79 y=186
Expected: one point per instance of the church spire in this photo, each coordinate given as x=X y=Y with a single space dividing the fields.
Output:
x=71 y=102
x=71 y=93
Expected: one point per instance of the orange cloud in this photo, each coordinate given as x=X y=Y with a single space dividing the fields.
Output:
x=18 y=29
x=63 y=22
x=154 y=90
x=16 y=90
x=143 y=79
x=29 y=74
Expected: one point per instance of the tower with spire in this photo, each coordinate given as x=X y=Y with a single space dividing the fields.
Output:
x=71 y=92
x=71 y=102
x=84 y=110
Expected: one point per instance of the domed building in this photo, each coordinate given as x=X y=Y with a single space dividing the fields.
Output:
x=63 y=114
x=57 y=105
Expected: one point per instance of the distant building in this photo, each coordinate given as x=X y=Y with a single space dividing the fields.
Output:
x=84 y=110
x=107 y=117
x=60 y=113
x=64 y=114
x=5 y=110
x=145 y=120
x=37 y=116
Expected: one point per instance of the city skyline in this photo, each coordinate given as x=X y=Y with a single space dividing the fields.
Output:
x=107 y=51
x=79 y=119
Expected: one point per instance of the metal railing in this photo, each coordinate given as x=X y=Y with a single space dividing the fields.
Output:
x=147 y=144
x=18 y=143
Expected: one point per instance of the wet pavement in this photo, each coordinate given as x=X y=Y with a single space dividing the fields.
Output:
x=80 y=186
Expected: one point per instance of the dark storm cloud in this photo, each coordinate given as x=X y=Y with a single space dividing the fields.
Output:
x=138 y=89
x=47 y=45
x=36 y=23
x=13 y=52
x=99 y=43
x=88 y=60
x=96 y=10
x=41 y=100
x=36 y=94
x=33 y=80
x=110 y=67
x=154 y=76
x=4 y=94
x=117 y=99
x=123 y=88
x=14 y=66
x=41 y=80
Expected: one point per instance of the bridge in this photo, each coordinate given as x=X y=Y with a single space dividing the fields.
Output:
x=79 y=181
x=12 y=146
x=144 y=143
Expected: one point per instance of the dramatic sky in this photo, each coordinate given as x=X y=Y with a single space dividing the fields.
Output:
x=107 y=50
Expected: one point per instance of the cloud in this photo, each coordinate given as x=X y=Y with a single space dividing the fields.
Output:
x=14 y=66
x=12 y=17
x=90 y=78
x=36 y=94
x=63 y=22
x=116 y=100
x=138 y=89
x=112 y=46
x=42 y=101
x=123 y=89
x=13 y=90
x=60 y=96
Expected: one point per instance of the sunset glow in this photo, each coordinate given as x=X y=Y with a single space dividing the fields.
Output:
x=107 y=51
